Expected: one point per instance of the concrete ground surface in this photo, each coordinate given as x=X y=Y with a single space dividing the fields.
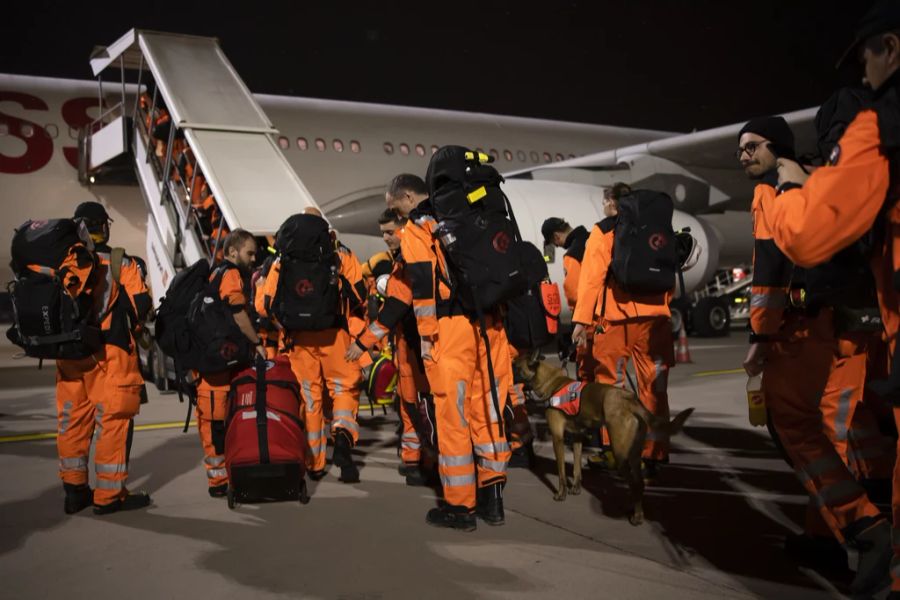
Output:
x=715 y=520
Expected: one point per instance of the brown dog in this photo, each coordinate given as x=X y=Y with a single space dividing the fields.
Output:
x=625 y=418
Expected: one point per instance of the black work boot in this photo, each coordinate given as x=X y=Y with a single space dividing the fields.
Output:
x=522 y=457
x=817 y=552
x=452 y=517
x=415 y=477
x=78 y=498
x=316 y=475
x=406 y=469
x=489 y=506
x=218 y=491
x=129 y=502
x=873 y=543
x=343 y=458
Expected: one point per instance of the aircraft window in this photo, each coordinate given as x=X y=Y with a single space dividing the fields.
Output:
x=571 y=156
x=521 y=156
x=388 y=148
x=434 y=149
x=73 y=133
x=320 y=144
x=560 y=157
x=338 y=145
x=547 y=157
x=4 y=129
x=535 y=157
x=27 y=130
x=508 y=155
x=493 y=152
x=52 y=130
x=404 y=149
x=302 y=143
x=420 y=149
x=284 y=143
x=355 y=147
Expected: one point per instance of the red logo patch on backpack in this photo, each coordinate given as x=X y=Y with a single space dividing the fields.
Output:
x=658 y=241
x=501 y=242
x=304 y=287
x=228 y=350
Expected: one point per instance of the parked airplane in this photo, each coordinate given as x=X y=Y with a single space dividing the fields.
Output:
x=346 y=152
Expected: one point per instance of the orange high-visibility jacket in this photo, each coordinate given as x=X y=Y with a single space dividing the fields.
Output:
x=397 y=304
x=592 y=284
x=426 y=270
x=771 y=272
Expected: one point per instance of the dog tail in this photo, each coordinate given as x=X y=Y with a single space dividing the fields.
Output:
x=658 y=423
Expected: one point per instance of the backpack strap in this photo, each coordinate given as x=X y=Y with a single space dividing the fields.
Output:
x=116 y=257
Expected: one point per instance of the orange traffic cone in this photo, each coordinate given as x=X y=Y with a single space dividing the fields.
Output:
x=682 y=353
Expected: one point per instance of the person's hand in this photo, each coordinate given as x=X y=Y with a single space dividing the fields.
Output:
x=579 y=335
x=756 y=358
x=427 y=347
x=790 y=171
x=353 y=353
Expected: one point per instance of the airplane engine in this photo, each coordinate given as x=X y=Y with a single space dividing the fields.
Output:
x=578 y=204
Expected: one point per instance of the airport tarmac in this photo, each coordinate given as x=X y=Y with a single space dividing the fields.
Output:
x=715 y=520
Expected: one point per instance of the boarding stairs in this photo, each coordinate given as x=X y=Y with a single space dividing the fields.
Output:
x=231 y=141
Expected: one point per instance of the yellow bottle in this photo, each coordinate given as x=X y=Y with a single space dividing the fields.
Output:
x=756 y=401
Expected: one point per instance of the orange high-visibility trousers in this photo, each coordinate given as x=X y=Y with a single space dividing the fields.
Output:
x=808 y=405
x=648 y=342
x=212 y=408
x=97 y=397
x=411 y=382
x=519 y=432
x=317 y=359
x=471 y=450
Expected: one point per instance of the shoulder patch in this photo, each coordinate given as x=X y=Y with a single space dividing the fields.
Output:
x=835 y=155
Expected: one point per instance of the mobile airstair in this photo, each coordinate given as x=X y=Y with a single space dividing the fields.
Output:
x=216 y=133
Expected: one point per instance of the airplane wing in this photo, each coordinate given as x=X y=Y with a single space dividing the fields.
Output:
x=698 y=170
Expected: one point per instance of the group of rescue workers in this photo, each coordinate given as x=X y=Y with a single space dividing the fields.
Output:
x=824 y=318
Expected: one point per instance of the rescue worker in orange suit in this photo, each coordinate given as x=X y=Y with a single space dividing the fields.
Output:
x=129 y=272
x=269 y=335
x=812 y=219
x=635 y=327
x=396 y=317
x=558 y=232
x=317 y=358
x=98 y=396
x=472 y=453
x=239 y=249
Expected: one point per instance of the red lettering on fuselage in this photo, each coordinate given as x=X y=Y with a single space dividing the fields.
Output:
x=39 y=146
x=75 y=114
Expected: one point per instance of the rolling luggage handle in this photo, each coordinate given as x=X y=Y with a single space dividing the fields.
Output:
x=262 y=418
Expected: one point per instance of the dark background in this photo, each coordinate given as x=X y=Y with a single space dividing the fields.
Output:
x=664 y=65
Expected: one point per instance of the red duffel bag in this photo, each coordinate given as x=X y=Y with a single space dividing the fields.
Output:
x=265 y=441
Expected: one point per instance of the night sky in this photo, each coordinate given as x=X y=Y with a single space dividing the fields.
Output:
x=663 y=65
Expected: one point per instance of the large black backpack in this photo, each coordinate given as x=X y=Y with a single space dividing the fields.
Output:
x=48 y=323
x=308 y=294
x=196 y=327
x=173 y=334
x=528 y=318
x=476 y=229
x=644 y=258
x=220 y=345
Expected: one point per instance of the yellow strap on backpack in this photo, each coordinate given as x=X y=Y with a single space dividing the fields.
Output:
x=479 y=156
x=476 y=195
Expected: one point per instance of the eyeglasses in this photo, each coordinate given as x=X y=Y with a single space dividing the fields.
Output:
x=750 y=148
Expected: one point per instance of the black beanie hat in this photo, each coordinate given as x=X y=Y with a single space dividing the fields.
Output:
x=774 y=129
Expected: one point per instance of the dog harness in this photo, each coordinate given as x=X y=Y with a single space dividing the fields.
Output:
x=568 y=398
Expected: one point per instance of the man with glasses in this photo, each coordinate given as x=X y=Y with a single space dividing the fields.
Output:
x=813 y=373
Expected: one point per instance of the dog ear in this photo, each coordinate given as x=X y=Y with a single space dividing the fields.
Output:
x=534 y=357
